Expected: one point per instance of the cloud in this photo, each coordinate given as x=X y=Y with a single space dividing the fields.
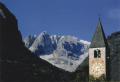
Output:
x=114 y=14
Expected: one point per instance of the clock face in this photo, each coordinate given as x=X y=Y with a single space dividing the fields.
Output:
x=97 y=69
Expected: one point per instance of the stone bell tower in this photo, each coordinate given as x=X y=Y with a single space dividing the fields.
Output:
x=98 y=54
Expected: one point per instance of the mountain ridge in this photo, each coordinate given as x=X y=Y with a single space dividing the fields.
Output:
x=65 y=52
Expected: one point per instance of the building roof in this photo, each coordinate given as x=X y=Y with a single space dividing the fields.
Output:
x=99 y=39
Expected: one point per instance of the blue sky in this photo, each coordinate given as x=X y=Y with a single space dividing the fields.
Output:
x=65 y=17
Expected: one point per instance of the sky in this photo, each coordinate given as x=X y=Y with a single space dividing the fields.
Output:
x=65 y=17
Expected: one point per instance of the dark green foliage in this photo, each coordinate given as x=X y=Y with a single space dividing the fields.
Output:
x=100 y=79
x=81 y=75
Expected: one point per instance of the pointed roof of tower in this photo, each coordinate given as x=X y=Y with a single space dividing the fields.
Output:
x=99 y=39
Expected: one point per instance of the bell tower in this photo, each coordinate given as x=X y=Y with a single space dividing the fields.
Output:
x=98 y=54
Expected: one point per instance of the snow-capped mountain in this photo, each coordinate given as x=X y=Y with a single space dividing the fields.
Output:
x=29 y=40
x=42 y=44
x=65 y=52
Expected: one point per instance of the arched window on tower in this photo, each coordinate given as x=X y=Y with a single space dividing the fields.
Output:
x=97 y=53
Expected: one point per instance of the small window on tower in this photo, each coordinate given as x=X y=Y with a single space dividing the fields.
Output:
x=97 y=53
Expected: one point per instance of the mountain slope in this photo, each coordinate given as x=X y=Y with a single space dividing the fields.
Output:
x=17 y=63
x=29 y=40
x=42 y=44
x=114 y=44
x=65 y=52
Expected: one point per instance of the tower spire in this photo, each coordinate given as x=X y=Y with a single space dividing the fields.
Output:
x=99 y=39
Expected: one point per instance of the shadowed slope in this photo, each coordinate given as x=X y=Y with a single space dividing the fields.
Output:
x=114 y=43
x=17 y=63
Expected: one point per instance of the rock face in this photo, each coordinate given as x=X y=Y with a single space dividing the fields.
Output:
x=29 y=40
x=71 y=46
x=114 y=44
x=45 y=44
x=65 y=52
x=18 y=64
x=42 y=45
